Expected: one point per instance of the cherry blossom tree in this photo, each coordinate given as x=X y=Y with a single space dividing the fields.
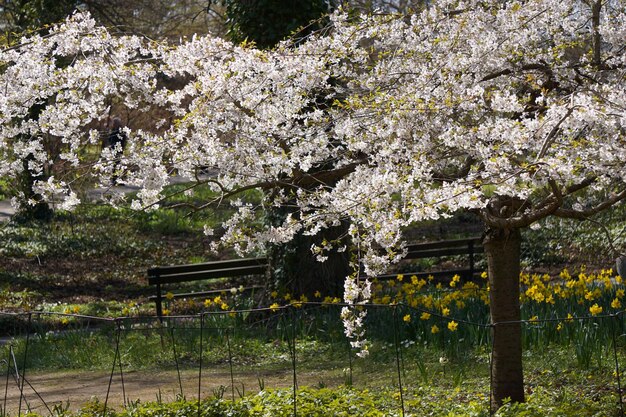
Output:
x=512 y=110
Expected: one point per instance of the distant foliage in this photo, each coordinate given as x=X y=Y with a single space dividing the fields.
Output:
x=267 y=22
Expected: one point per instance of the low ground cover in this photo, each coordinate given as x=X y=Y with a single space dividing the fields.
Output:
x=346 y=401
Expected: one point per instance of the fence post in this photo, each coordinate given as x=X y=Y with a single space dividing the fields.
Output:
x=396 y=333
x=6 y=387
x=230 y=364
x=200 y=367
x=180 y=382
x=293 y=360
x=115 y=358
x=119 y=362
x=21 y=380
x=617 y=371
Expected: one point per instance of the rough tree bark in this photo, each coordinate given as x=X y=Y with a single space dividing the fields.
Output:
x=502 y=249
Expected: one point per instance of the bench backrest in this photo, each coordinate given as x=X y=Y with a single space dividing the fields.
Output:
x=444 y=248
x=207 y=270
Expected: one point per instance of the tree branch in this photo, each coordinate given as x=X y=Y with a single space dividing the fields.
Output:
x=555 y=130
x=523 y=220
x=528 y=67
x=585 y=214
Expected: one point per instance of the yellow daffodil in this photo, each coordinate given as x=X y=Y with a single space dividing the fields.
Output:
x=595 y=309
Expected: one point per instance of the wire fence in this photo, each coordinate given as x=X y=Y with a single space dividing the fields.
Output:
x=219 y=353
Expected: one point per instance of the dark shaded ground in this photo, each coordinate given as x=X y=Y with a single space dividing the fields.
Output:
x=75 y=279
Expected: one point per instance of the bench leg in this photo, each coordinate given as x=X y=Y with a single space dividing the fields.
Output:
x=159 y=303
x=471 y=261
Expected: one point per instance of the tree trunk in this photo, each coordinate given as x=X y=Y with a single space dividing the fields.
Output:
x=502 y=248
x=40 y=211
x=295 y=269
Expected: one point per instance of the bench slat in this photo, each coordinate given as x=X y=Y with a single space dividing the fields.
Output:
x=221 y=265
x=436 y=274
x=445 y=244
x=436 y=253
x=200 y=275
x=205 y=293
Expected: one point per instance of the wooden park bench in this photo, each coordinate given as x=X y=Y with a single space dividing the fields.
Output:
x=176 y=274
x=469 y=247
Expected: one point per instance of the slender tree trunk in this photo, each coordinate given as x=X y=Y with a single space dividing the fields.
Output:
x=41 y=210
x=502 y=248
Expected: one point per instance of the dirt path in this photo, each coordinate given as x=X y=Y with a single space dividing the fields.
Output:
x=6 y=210
x=78 y=388
x=97 y=194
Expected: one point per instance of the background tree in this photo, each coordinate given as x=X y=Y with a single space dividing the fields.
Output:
x=160 y=20
x=157 y=19
x=17 y=18
x=294 y=268
x=267 y=22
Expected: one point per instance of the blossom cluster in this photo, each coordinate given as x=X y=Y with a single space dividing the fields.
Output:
x=380 y=122
x=384 y=120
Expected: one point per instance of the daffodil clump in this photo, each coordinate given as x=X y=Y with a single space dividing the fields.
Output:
x=594 y=292
x=225 y=301
x=581 y=289
x=552 y=306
